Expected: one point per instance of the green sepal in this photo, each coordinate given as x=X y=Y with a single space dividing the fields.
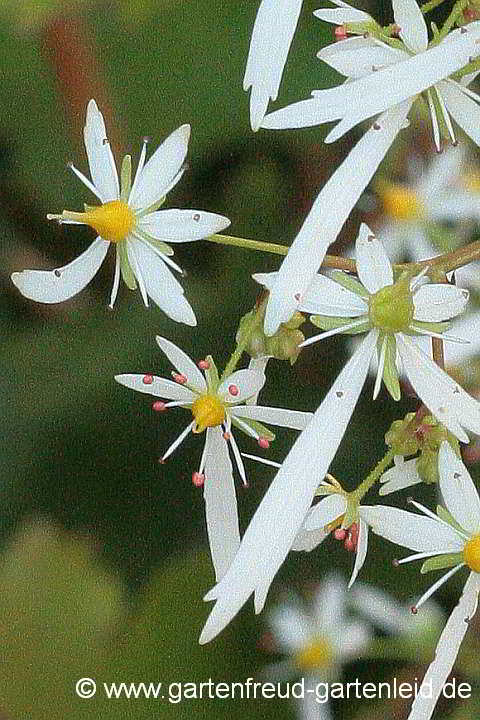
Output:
x=437 y=327
x=350 y=283
x=447 y=517
x=211 y=376
x=127 y=272
x=159 y=244
x=323 y=490
x=257 y=427
x=126 y=178
x=325 y=322
x=88 y=208
x=440 y=562
x=390 y=375
x=151 y=208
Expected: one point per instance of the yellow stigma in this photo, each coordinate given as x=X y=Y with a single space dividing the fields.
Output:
x=391 y=308
x=112 y=220
x=400 y=202
x=471 y=553
x=317 y=655
x=208 y=411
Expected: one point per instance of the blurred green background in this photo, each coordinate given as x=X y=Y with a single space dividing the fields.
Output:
x=105 y=561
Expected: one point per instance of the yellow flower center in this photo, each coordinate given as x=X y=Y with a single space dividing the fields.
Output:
x=318 y=654
x=391 y=308
x=112 y=220
x=471 y=553
x=400 y=202
x=208 y=411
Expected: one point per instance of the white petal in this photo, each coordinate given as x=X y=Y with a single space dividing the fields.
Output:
x=458 y=490
x=324 y=512
x=450 y=404
x=52 y=286
x=413 y=29
x=446 y=652
x=402 y=475
x=329 y=604
x=346 y=14
x=463 y=109
x=276 y=416
x=373 y=266
x=382 y=609
x=272 y=35
x=416 y=532
x=220 y=503
x=467 y=327
x=393 y=84
x=359 y=56
x=116 y=281
x=159 y=387
x=100 y=158
x=307 y=540
x=362 y=547
x=444 y=169
x=161 y=285
x=246 y=382
x=182 y=363
x=327 y=216
x=434 y=303
x=323 y=296
x=280 y=515
x=309 y=707
x=182 y=225
x=291 y=627
x=353 y=640
x=162 y=170
x=258 y=365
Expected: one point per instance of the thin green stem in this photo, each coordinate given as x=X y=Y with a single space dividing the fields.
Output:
x=372 y=478
x=431 y=6
x=457 y=10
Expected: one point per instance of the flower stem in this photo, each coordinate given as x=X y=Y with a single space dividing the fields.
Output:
x=238 y=352
x=372 y=478
x=430 y=6
x=457 y=10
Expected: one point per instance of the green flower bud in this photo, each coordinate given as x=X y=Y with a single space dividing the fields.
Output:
x=283 y=345
x=400 y=438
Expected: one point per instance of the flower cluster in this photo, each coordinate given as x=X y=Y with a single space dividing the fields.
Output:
x=391 y=308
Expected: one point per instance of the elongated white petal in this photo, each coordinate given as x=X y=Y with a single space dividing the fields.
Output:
x=458 y=490
x=358 y=56
x=272 y=35
x=367 y=96
x=160 y=284
x=464 y=110
x=450 y=404
x=434 y=303
x=280 y=515
x=443 y=169
x=467 y=327
x=162 y=170
x=329 y=605
x=291 y=626
x=446 y=652
x=327 y=216
x=100 y=157
x=415 y=532
x=240 y=385
x=382 y=609
x=402 y=475
x=52 y=286
x=116 y=282
x=413 y=29
x=323 y=296
x=308 y=706
x=258 y=365
x=330 y=508
x=362 y=547
x=306 y=540
x=159 y=387
x=220 y=503
x=182 y=363
x=346 y=14
x=276 y=416
x=182 y=225
x=373 y=266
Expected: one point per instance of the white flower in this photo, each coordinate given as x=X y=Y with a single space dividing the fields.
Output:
x=316 y=641
x=216 y=405
x=381 y=76
x=451 y=538
x=129 y=218
x=376 y=306
x=271 y=38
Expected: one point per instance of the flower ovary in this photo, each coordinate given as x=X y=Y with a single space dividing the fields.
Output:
x=208 y=411
x=391 y=308
x=471 y=553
